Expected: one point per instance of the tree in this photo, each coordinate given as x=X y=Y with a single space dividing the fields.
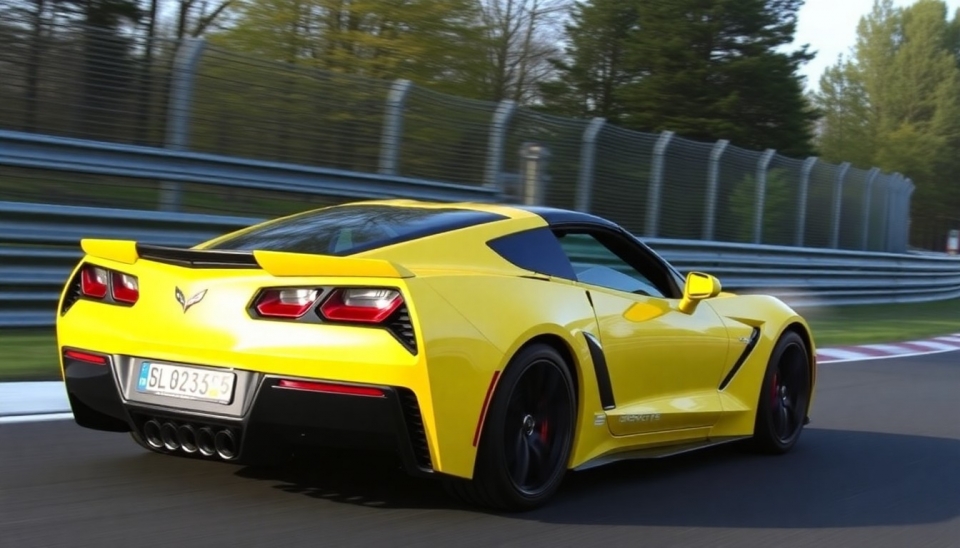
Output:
x=711 y=69
x=903 y=114
x=595 y=68
x=432 y=42
x=519 y=43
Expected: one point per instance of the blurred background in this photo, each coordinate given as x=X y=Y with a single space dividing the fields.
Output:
x=452 y=91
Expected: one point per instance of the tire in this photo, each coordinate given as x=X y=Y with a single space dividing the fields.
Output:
x=784 y=397
x=531 y=418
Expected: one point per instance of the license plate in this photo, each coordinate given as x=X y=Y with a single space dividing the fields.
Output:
x=186 y=382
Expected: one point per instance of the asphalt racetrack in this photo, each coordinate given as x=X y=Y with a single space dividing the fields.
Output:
x=879 y=466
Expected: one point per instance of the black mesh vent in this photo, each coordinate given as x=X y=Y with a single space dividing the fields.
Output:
x=402 y=328
x=73 y=294
x=414 y=421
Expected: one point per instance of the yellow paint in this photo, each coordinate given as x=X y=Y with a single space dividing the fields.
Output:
x=279 y=263
x=472 y=311
x=121 y=251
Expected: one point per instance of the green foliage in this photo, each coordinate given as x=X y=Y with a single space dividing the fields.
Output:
x=706 y=69
x=779 y=208
x=896 y=104
x=596 y=64
x=431 y=42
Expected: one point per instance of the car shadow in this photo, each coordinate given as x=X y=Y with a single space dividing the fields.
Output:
x=833 y=478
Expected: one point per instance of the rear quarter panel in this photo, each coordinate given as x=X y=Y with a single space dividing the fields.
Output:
x=507 y=312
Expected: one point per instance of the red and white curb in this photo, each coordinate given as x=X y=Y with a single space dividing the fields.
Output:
x=47 y=401
x=866 y=352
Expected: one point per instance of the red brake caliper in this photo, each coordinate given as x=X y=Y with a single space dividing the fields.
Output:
x=773 y=396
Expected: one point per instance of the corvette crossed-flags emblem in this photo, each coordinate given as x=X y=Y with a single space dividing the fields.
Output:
x=187 y=303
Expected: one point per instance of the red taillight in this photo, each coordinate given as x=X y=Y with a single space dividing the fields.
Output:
x=85 y=357
x=126 y=289
x=362 y=305
x=286 y=303
x=332 y=388
x=93 y=282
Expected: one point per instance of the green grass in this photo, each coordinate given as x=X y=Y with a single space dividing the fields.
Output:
x=32 y=355
x=28 y=355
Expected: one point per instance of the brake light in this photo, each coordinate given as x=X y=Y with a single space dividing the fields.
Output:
x=361 y=305
x=93 y=282
x=77 y=355
x=286 y=303
x=310 y=386
x=126 y=289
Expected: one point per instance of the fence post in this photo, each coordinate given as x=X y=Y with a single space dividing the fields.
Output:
x=868 y=196
x=498 y=133
x=905 y=233
x=891 y=181
x=837 y=203
x=656 y=182
x=805 y=172
x=713 y=182
x=761 y=194
x=587 y=155
x=533 y=172
x=178 y=111
x=393 y=126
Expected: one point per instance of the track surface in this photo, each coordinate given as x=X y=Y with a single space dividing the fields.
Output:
x=879 y=466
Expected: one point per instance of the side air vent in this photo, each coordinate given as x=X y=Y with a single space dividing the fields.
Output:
x=72 y=294
x=401 y=327
x=414 y=422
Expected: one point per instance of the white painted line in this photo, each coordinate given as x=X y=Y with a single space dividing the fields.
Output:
x=836 y=353
x=953 y=339
x=872 y=358
x=934 y=345
x=888 y=348
x=41 y=417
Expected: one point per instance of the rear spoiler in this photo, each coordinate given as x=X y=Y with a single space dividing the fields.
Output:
x=275 y=263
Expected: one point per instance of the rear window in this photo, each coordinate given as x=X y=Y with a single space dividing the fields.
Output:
x=345 y=230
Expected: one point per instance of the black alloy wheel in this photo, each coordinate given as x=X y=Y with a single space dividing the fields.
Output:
x=527 y=435
x=784 y=397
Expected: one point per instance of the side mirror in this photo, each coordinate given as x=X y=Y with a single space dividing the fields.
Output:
x=699 y=286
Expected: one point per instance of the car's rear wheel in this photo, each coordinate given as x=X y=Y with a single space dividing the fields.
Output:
x=784 y=396
x=527 y=435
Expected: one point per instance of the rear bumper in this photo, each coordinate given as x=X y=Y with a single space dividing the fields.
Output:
x=264 y=416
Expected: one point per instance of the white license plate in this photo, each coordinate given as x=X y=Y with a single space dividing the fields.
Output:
x=186 y=382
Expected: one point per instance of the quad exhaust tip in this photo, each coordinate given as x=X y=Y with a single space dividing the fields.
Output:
x=187 y=437
x=226 y=445
x=190 y=440
x=151 y=432
x=168 y=433
x=205 y=442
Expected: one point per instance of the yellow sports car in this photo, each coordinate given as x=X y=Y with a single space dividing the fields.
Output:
x=495 y=347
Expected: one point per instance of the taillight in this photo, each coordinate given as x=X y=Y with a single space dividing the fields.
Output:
x=97 y=283
x=286 y=303
x=125 y=288
x=361 y=305
x=93 y=282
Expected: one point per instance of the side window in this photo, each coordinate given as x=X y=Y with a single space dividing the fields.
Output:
x=605 y=261
x=535 y=250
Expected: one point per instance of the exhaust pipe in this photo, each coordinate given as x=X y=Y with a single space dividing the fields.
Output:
x=168 y=433
x=205 y=442
x=151 y=433
x=187 y=437
x=226 y=444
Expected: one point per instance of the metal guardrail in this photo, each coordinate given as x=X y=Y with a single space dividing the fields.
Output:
x=39 y=247
x=24 y=150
